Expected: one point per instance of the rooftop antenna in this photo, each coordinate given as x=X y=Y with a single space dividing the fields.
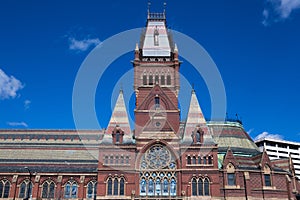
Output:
x=149 y=4
x=165 y=5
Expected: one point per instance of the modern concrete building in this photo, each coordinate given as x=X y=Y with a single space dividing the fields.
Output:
x=281 y=149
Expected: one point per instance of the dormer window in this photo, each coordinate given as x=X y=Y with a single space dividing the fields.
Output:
x=156 y=35
x=117 y=135
x=197 y=135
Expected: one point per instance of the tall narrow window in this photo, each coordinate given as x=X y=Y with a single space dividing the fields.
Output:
x=4 y=188
x=116 y=186
x=204 y=160
x=144 y=79
x=111 y=160
x=117 y=160
x=231 y=178
x=162 y=80
x=156 y=79
x=194 y=187
x=127 y=160
x=267 y=176
x=199 y=159
x=157 y=187
x=209 y=160
x=91 y=190
x=151 y=187
x=165 y=187
x=143 y=187
x=109 y=187
x=200 y=187
x=150 y=79
x=122 y=186
x=267 y=180
x=206 y=187
x=118 y=137
x=106 y=160
x=157 y=103
x=194 y=160
x=24 y=189
x=168 y=80
x=173 y=187
x=188 y=160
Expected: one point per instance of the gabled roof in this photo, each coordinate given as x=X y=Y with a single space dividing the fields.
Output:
x=195 y=118
x=119 y=118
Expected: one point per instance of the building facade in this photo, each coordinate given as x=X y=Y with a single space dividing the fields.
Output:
x=281 y=149
x=163 y=158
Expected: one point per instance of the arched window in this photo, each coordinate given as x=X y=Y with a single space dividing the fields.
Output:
x=143 y=186
x=158 y=172
x=206 y=187
x=165 y=187
x=209 y=160
x=162 y=79
x=117 y=160
x=151 y=187
x=111 y=160
x=106 y=160
x=109 y=187
x=157 y=102
x=122 y=160
x=150 y=79
x=71 y=190
x=198 y=137
x=204 y=160
x=199 y=160
x=200 y=187
x=118 y=137
x=4 y=188
x=194 y=160
x=122 y=186
x=144 y=79
x=127 y=159
x=230 y=174
x=91 y=192
x=48 y=189
x=194 y=187
x=116 y=186
x=157 y=187
x=173 y=187
x=24 y=187
x=168 y=79
x=156 y=79
x=189 y=160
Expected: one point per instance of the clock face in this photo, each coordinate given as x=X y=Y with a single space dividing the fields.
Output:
x=157 y=124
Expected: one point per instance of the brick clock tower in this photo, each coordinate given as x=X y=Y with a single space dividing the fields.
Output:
x=156 y=82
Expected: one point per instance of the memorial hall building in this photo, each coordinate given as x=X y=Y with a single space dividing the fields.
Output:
x=161 y=157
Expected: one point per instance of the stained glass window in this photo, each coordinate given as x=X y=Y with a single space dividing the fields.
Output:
x=158 y=172
x=48 y=189
x=4 y=188
x=91 y=190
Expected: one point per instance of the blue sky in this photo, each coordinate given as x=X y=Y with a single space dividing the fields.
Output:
x=255 y=45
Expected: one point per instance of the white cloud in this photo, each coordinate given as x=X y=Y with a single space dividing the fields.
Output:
x=277 y=10
x=17 y=124
x=27 y=104
x=82 y=45
x=268 y=135
x=9 y=86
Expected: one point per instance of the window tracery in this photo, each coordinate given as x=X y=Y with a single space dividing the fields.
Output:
x=158 y=175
